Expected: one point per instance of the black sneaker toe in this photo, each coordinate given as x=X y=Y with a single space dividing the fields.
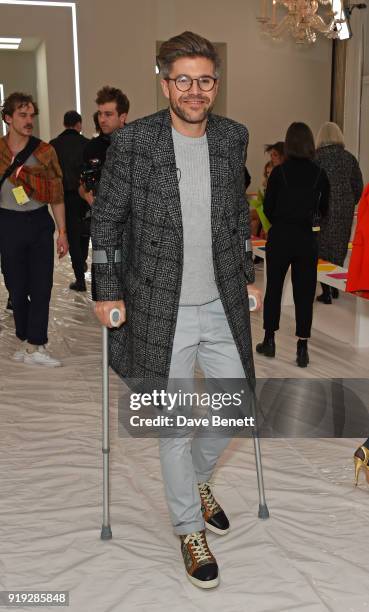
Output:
x=219 y=521
x=206 y=572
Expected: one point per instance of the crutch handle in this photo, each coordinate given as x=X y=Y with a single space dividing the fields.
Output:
x=252 y=303
x=114 y=317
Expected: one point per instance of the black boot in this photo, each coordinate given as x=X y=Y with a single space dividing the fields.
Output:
x=325 y=297
x=302 y=355
x=334 y=293
x=78 y=285
x=267 y=346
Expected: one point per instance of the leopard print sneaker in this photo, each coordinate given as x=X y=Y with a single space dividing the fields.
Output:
x=201 y=566
x=214 y=516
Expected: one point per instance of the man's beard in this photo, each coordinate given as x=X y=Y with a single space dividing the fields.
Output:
x=182 y=114
x=20 y=132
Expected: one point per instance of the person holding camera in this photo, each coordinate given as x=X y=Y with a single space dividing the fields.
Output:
x=69 y=147
x=112 y=111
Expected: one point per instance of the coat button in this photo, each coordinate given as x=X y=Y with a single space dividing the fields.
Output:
x=148 y=281
x=154 y=242
x=234 y=231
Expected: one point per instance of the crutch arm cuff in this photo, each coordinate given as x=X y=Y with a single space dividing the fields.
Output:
x=101 y=256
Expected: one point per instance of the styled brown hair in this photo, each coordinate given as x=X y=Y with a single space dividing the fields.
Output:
x=17 y=100
x=299 y=141
x=186 y=44
x=112 y=94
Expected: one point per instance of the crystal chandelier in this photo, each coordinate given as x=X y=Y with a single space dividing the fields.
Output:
x=302 y=20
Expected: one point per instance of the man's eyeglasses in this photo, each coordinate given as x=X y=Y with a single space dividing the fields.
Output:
x=184 y=82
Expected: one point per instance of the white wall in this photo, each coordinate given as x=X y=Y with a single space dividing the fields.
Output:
x=43 y=91
x=52 y=26
x=363 y=112
x=268 y=84
x=18 y=73
x=357 y=91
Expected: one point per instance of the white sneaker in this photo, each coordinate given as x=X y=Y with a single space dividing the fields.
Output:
x=20 y=354
x=41 y=357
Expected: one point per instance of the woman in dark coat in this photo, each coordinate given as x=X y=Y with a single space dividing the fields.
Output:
x=346 y=186
x=296 y=191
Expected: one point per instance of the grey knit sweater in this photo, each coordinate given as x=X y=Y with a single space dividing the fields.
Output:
x=192 y=159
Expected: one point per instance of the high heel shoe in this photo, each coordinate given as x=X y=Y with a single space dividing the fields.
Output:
x=361 y=460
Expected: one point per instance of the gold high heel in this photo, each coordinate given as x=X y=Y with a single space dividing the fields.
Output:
x=361 y=463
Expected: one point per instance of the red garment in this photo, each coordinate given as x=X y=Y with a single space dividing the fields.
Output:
x=358 y=273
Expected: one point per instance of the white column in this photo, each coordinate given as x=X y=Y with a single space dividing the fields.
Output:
x=364 y=132
x=43 y=92
x=353 y=86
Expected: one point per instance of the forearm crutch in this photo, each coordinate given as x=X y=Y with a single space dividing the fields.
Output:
x=106 y=533
x=263 y=508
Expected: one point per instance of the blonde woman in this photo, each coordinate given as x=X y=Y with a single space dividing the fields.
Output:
x=346 y=185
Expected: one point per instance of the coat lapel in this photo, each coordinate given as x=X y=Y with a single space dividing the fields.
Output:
x=165 y=163
x=219 y=172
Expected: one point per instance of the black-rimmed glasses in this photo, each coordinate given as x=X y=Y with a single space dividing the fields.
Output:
x=184 y=82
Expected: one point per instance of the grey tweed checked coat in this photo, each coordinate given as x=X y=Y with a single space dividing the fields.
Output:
x=137 y=211
x=346 y=186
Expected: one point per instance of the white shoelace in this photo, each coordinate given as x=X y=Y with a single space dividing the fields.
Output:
x=206 y=493
x=198 y=545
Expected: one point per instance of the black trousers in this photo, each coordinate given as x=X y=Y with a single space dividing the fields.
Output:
x=75 y=208
x=2 y=272
x=296 y=247
x=27 y=260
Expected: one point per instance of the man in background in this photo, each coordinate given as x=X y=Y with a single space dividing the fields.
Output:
x=31 y=179
x=69 y=146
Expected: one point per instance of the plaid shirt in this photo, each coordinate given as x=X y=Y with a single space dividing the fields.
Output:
x=42 y=182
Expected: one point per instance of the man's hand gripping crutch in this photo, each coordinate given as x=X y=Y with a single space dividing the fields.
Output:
x=107 y=313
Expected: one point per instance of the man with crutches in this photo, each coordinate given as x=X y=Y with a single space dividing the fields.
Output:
x=172 y=253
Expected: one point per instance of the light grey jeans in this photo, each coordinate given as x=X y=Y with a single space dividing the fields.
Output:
x=202 y=333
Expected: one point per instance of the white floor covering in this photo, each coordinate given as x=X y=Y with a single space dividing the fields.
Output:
x=310 y=556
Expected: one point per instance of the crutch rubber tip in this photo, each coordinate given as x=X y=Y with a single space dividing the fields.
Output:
x=106 y=533
x=263 y=512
